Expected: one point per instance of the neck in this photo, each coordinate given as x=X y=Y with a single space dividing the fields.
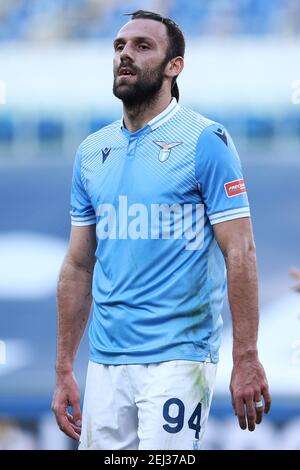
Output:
x=137 y=116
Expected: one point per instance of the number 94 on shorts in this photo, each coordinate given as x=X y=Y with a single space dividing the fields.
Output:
x=147 y=406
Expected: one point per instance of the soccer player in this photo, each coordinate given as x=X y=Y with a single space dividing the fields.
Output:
x=158 y=203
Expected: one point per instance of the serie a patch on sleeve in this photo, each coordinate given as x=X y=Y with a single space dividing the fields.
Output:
x=234 y=188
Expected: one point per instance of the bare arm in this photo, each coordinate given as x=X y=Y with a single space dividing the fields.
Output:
x=236 y=242
x=74 y=294
x=248 y=380
x=74 y=304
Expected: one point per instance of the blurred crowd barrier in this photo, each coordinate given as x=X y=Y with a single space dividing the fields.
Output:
x=65 y=93
x=53 y=20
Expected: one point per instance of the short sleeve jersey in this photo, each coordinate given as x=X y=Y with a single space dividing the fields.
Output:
x=154 y=196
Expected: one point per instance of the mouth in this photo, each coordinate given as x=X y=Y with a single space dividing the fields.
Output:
x=126 y=72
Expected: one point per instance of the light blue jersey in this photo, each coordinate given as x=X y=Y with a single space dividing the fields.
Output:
x=155 y=194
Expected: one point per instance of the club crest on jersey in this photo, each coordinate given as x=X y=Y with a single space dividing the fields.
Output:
x=165 y=149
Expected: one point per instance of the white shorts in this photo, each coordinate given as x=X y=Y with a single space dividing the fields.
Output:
x=147 y=406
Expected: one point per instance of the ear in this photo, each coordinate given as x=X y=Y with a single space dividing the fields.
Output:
x=175 y=67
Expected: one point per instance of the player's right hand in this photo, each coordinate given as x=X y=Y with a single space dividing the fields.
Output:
x=67 y=394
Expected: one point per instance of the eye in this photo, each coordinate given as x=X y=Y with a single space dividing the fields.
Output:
x=119 y=47
x=143 y=46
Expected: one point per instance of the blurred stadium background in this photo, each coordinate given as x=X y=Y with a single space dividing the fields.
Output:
x=243 y=69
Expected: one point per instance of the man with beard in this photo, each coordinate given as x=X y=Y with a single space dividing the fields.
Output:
x=158 y=202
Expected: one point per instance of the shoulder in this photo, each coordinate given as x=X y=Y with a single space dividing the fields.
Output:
x=209 y=136
x=104 y=137
x=197 y=122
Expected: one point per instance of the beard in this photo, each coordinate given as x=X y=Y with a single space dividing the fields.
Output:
x=145 y=88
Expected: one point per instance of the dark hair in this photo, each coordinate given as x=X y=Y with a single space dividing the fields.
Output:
x=176 y=39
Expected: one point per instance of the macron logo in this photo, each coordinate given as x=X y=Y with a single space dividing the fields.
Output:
x=234 y=188
x=105 y=154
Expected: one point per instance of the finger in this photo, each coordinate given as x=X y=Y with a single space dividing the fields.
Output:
x=240 y=412
x=259 y=415
x=76 y=412
x=72 y=420
x=76 y=429
x=74 y=426
x=68 y=429
x=258 y=410
x=250 y=410
x=65 y=426
x=267 y=399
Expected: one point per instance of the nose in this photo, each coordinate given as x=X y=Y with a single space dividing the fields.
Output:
x=127 y=53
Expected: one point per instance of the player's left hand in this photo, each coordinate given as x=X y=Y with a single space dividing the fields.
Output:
x=249 y=385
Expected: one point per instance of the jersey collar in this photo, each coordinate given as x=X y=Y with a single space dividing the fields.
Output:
x=158 y=120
